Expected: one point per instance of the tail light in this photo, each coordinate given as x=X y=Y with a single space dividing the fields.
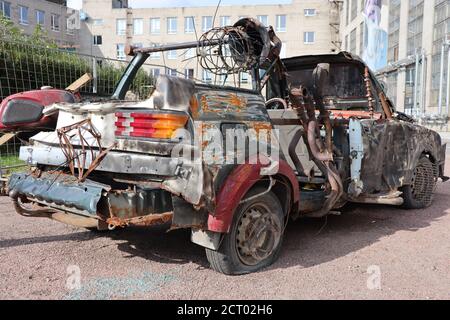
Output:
x=149 y=124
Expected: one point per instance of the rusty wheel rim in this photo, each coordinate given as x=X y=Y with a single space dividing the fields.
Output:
x=258 y=234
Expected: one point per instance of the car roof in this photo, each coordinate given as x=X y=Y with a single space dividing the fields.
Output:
x=341 y=57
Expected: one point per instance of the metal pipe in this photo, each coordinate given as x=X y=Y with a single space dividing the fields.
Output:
x=448 y=80
x=388 y=201
x=94 y=74
x=441 y=81
x=313 y=144
x=423 y=83
x=293 y=153
x=416 y=79
x=130 y=50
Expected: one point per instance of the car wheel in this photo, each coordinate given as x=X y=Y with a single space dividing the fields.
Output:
x=419 y=194
x=255 y=237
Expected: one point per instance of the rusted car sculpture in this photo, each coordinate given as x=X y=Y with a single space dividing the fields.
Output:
x=326 y=135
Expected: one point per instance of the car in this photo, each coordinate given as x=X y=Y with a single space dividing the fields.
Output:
x=233 y=165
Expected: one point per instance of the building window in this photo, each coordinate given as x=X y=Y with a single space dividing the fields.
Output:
x=189 y=26
x=121 y=27
x=361 y=38
x=190 y=53
x=310 y=12
x=71 y=25
x=309 y=37
x=171 y=72
x=244 y=77
x=394 y=30
x=415 y=26
x=5 y=8
x=225 y=21
x=155 y=55
x=281 y=23
x=263 y=19
x=155 y=72
x=40 y=17
x=98 y=40
x=410 y=76
x=223 y=78
x=172 y=25
x=172 y=54
x=353 y=9
x=352 y=48
x=23 y=15
x=189 y=73
x=55 y=22
x=120 y=51
x=138 y=27
x=206 y=76
x=155 y=25
x=206 y=23
x=283 y=50
x=97 y=22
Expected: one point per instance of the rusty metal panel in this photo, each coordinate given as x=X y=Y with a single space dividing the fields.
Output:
x=129 y=203
x=59 y=189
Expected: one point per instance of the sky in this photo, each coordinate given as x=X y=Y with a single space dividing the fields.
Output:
x=184 y=3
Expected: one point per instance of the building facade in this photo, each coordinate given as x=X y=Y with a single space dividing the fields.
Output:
x=415 y=60
x=305 y=27
x=59 y=23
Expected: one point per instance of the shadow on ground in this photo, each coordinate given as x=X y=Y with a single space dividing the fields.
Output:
x=308 y=242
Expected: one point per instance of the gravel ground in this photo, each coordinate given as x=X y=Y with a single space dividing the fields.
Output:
x=370 y=252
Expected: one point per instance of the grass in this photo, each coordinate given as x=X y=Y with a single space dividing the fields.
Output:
x=8 y=161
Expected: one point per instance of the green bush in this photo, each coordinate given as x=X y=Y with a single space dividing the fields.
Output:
x=30 y=62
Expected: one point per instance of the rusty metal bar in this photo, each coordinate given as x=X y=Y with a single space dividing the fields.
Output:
x=131 y=51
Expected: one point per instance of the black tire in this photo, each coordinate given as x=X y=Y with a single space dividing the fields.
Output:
x=419 y=194
x=235 y=256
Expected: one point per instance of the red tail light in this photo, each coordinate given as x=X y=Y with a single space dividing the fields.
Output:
x=149 y=123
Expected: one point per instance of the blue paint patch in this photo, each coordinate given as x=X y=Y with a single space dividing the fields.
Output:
x=120 y=287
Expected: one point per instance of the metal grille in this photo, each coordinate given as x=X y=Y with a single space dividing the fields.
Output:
x=424 y=182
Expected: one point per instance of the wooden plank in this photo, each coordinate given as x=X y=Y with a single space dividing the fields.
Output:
x=78 y=84
x=6 y=137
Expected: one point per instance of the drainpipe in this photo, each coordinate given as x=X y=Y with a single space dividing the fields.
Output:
x=448 y=78
x=94 y=75
x=441 y=81
x=424 y=83
x=416 y=79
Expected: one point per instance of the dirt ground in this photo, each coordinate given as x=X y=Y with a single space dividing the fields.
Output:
x=369 y=252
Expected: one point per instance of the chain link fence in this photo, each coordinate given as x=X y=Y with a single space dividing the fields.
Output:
x=25 y=67
x=9 y=158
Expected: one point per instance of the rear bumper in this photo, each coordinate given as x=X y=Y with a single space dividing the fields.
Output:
x=89 y=199
x=117 y=162
x=59 y=191
x=177 y=175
